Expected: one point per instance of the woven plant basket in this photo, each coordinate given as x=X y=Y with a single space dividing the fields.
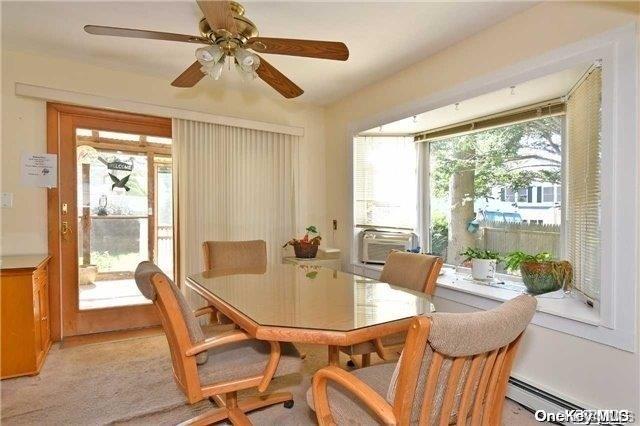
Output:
x=305 y=250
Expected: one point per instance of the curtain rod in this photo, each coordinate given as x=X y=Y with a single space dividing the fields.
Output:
x=530 y=112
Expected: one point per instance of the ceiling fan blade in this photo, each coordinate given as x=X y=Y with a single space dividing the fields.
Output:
x=190 y=76
x=218 y=15
x=274 y=78
x=307 y=48
x=152 y=35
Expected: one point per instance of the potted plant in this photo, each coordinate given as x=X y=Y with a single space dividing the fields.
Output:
x=483 y=263
x=540 y=273
x=306 y=247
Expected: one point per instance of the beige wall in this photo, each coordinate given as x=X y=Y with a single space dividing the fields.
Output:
x=581 y=370
x=24 y=228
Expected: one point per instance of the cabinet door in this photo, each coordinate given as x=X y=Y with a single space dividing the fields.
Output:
x=37 y=322
x=44 y=314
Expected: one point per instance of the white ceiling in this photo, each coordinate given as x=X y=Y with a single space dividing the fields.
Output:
x=383 y=38
x=542 y=89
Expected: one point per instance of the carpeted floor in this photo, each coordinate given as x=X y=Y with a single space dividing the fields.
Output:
x=130 y=382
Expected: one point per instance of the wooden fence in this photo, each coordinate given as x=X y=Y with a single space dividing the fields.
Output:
x=527 y=237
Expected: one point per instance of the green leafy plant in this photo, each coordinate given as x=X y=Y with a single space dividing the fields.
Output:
x=514 y=259
x=311 y=237
x=472 y=253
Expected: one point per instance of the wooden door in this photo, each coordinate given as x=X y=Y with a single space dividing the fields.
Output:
x=66 y=316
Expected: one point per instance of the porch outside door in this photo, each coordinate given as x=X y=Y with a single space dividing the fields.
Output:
x=111 y=210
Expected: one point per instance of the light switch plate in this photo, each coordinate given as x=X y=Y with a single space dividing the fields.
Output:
x=7 y=200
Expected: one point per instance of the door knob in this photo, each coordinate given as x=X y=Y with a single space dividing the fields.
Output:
x=65 y=230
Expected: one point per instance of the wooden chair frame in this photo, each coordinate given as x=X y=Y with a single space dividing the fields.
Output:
x=185 y=369
x=491 y=370
x=391 y=352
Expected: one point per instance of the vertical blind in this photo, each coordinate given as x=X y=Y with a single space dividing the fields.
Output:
x=385 y=181
x=232 y=184
x=583 y=184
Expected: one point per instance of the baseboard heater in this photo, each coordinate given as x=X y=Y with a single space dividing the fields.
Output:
x=535 y=399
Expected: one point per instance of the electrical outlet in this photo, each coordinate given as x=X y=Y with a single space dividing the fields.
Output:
x=7 y=200
x=335 y=225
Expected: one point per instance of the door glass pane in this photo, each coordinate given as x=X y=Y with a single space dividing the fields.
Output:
x=113 y=228
x=164 y=216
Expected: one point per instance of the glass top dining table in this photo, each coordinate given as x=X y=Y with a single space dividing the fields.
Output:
x=310 y=304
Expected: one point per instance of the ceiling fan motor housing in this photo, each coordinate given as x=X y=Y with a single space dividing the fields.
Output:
x=245 y=29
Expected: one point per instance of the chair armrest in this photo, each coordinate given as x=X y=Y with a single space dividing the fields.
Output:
x=357 y=387
x=204 y=310
x=272 y=366
x=222 y=339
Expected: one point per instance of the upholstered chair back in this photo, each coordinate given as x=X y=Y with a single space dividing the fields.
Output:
x=234 y=254
x=414 y=271
x=178 y=321
x=455 y=367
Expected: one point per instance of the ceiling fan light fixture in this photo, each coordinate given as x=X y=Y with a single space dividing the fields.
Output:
x=213 y=69
x=245 y=75
x=209 y=54
x=247 y=60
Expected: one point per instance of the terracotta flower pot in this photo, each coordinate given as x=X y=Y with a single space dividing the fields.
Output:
x=544 y=277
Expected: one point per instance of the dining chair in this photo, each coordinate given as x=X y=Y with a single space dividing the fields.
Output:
x=217 y=365
x=413 y=271
x=454 y=369
x=232 y=255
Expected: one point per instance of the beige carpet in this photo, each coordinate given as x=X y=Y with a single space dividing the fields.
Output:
x=130 y=382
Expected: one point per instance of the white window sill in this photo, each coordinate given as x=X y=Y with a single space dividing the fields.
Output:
x=555 y=303
x=555 y=311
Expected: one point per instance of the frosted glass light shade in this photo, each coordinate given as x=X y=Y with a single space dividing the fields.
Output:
x=208 y=54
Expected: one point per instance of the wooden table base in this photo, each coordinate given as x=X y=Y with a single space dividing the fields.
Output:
x=334 y=355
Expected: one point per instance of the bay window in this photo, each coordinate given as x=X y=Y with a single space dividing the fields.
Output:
x=525 y=180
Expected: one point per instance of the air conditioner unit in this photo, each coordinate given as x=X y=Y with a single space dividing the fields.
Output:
x=376 y=245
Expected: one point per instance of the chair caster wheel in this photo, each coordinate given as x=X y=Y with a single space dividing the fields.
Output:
x=288 y=404
x=350 y=364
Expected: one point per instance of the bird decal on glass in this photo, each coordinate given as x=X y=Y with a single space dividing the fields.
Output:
x=119 y=183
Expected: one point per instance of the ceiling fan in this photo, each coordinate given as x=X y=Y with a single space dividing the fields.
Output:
x=229 y=36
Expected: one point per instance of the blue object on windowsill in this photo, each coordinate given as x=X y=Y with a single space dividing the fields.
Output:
x=473 y=226
x=415 y=250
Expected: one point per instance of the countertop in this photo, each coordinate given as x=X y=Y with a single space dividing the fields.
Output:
x=26 y=261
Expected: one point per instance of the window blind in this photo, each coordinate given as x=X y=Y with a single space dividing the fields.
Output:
x=583 y=184
x=232 y=183
x=385 y=181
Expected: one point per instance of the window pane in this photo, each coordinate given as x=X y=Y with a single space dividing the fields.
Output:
x=489 y=178
x=385 y=181
x=164 y=217
x=157 y=139
x=118 y=136
x=547 y=194
x=510 y=195
x=522 y=195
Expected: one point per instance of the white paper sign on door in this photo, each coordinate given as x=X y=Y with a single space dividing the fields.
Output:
x=39 y=170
